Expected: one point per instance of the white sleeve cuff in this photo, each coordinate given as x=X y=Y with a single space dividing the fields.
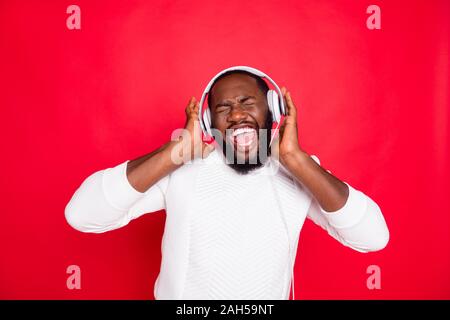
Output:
x=351 y=213
x=117 y=189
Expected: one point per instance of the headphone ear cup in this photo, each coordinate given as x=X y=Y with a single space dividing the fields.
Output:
x=207 y=122
x=274 y=105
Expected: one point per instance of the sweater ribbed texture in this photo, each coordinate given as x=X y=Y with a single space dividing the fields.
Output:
x=225 y=236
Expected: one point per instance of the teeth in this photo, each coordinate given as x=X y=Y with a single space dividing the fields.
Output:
x=242 y=130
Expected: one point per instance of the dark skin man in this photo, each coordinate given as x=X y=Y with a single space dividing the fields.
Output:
x=237 y=102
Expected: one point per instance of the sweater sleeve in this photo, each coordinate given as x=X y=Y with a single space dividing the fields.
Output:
x=106 y=201
x=359 y=224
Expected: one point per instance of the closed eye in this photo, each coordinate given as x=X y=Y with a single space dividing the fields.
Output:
x=248 y=101
x=222 y=107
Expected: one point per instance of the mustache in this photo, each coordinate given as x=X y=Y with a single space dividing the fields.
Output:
x=245 y=123
x=268 y=123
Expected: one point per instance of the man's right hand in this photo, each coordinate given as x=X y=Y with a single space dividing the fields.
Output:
x=186 y=144
x=189 y=143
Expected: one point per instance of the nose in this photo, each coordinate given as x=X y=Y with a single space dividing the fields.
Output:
x=237 y=113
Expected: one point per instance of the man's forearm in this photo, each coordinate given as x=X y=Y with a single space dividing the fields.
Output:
x=329 y=191
x=145 y=171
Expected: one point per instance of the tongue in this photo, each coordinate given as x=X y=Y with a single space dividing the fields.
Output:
x=245 y=139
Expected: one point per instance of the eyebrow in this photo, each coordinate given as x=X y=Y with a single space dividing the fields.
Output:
x=226 y=101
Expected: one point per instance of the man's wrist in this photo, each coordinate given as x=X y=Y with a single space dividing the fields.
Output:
x=295 y=160
x=174 y=153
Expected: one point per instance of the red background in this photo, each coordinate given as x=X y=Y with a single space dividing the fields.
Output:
x=373 y=105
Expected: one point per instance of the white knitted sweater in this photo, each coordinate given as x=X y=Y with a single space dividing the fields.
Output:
x=225 y=236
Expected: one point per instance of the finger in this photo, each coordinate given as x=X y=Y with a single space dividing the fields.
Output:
x=281 y=129
x=283 y=91
x=292 y=110
x=196 y=106
x=189 y=105
x=289 y=98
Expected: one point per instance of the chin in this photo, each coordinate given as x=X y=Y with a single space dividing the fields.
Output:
x=244 y=161
x=246 y=157
x=244 y=168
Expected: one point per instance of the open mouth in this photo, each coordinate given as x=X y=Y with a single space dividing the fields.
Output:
x=244 y=138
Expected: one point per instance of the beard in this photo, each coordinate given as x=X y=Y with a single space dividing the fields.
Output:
x=244 y=166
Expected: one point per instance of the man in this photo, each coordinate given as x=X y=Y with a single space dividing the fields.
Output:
x=232 y=227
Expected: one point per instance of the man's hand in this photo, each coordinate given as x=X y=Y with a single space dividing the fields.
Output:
x=288 y=148
x=185 y=145
x=329 y=191
x=190 y=144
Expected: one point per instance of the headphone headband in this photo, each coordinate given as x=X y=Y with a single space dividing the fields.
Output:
x=242 y=68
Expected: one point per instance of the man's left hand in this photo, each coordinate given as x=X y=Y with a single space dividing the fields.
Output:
x=288 y=149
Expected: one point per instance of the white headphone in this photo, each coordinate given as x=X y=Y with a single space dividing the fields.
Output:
x=277 y=108
x=274 y=99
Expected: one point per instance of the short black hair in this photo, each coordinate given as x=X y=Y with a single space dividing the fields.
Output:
x=262 y=85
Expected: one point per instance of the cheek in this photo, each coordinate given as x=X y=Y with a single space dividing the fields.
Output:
x=219 y=123
x=260 y=117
